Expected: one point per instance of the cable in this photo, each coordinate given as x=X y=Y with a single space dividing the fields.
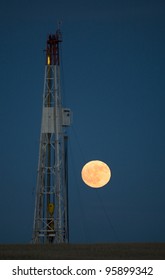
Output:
x=79 y=146
x=107 y=216
x=79 y=196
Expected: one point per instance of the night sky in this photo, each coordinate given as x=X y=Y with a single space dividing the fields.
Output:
x=113 y=79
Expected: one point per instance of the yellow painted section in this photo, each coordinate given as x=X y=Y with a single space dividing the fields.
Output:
x=48 y=60
x=51 y=208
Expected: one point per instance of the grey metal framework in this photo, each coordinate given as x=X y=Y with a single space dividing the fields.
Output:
x=51 y=205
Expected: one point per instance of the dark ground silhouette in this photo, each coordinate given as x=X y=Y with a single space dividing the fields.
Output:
x=110 y=251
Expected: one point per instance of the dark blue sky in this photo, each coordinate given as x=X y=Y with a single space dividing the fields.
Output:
x=113 y=56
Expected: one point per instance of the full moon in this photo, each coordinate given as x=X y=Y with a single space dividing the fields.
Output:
x=96 y=174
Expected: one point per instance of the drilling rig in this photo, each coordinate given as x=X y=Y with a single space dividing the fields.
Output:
x=51 y=204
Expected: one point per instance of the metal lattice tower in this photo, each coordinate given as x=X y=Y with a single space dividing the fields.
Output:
x=51 y=206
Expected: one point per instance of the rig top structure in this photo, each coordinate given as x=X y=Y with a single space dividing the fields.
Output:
x=52 y=50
